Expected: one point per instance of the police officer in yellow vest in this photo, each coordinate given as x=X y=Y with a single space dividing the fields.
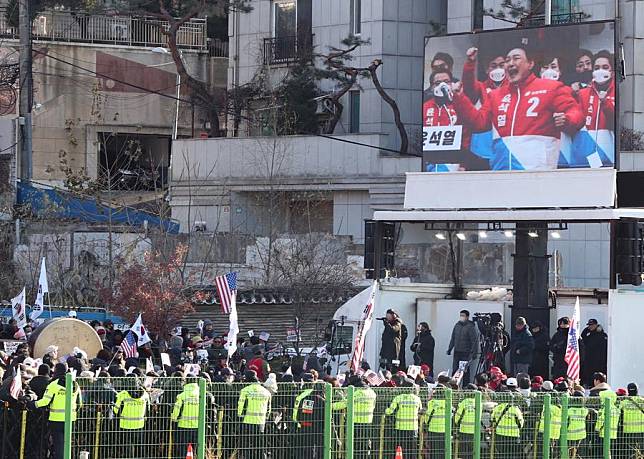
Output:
x=576 y=425
x=186 y=414
x=364 y=404
x=632 y=413
x=253 y=408
x=555 y=427
x=308 y=416
x=130 y=409
x=435 y=422
x=464 y=422
x=54 y=398
x=406 y=407
x=507 y=422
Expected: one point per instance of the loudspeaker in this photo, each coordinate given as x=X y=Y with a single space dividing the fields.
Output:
x=379 y=238
x=629 y=252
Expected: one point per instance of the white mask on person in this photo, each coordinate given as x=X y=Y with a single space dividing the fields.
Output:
x=497 y=75
x=550 y=74
x=601 y=76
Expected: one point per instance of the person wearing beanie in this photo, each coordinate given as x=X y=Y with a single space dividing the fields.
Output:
x=40 y=382
x=540 y=358
x=558 y=345
x=391 y=342
x=632 y=414
x=521 y=347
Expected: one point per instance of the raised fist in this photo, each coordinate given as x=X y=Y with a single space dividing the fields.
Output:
x=472 y=53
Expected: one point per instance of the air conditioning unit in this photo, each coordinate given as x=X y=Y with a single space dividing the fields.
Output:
x=119 y=32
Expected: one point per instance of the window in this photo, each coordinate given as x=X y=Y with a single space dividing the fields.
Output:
x=284 y=19
x=356 y=17
x=354 y=111
x=477 y=14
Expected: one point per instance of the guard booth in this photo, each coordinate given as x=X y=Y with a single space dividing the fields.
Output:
x=532 y=207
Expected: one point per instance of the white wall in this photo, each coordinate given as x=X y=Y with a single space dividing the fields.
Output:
x=624 y=338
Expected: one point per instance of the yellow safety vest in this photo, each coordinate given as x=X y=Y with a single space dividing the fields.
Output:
x=130 y=410
x=465 y=416
x=364 y=404
x=633 y=415
x=577 y=423
x=186 y=408
x=254 y=404
x=614 y=414
x=406 y=407
x=54 y=397
x=435 y=416
x=508 y=420
x=555 y=421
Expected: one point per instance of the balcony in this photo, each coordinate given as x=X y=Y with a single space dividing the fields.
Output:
x=62 y=26
x=285 y=50
x=539 y=20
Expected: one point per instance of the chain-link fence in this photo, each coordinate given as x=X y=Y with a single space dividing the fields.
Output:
x=162 y=417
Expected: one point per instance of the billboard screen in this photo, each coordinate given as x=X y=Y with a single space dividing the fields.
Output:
x=520 y=99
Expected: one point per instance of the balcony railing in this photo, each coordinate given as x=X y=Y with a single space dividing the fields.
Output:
x=565 y=18
x=284 y=50
x=118 y=30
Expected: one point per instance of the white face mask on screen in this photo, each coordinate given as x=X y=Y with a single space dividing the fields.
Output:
x=601 y=76
x=497 y=75
x=550 y=74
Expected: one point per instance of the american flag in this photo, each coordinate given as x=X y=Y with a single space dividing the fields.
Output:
x=15 y=389
x=363 y=327
x=572 y=350
x=227 y=290
x=128 y=346
x=373 y=378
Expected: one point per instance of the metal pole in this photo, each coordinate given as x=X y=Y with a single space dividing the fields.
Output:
x=176 y=114
x=349 y=423
x=328 y=403
x=201 y=429
x=548 y=15
x=607 y=429
x=26 y=89
x=478 y=411
x=563 y=436
x=448 y=424
x=545 y=454
x=69 y=388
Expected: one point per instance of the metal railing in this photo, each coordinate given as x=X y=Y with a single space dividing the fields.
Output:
x=104 y=29
x=321 y=422
x=284 y=50
x=561 y=18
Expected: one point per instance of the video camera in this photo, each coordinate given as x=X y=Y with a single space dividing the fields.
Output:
x=489 y=324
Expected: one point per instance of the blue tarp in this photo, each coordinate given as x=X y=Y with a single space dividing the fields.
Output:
x=59 y=203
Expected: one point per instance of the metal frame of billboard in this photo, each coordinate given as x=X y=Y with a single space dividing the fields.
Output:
x=616 y=68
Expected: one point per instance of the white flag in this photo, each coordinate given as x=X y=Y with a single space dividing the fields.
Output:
x=18 y=305
x=140 y=331
x=231 y=341
x=43 y=287
x=149 y=366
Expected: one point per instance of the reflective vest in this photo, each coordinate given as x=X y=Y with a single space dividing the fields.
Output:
x=308 y=410
x=465 y=416
x=577 y=423
x=54 y=397
x=508 y=420
x=406 y=408
x=435 y=416
x=186 y=408
x=555 y=421
x=633 y=415
x=130 y=410
x=614 y=414
x=364 y=404
x=254 y=404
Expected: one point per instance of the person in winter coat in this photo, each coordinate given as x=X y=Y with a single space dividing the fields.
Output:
x=540 y=359
x=464 y=342
x=521 y=347
x=558 y=344
x=595 y=351
x=404 y=334
x=423 y=346
x=391 y=339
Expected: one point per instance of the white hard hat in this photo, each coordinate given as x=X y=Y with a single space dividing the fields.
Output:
x=72 y=314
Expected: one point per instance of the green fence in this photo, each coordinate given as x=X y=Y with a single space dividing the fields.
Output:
x=319 y=421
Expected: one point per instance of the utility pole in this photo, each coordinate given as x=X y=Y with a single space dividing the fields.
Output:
x=26 y=89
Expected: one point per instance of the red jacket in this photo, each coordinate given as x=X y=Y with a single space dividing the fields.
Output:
x=444 y=115
x=598 y=114
x=523 y=110
x=474 y=89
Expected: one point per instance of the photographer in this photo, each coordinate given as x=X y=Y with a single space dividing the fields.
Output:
x=464 y=343
x=391 y=339
x=423 y=346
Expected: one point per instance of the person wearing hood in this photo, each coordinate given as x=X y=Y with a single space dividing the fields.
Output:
x=55 y=399
x=540 y=358
x=186 y=414
x=558 y=345
x=208 y=331
x=423 y=346
x=391 y=340
x=130 y=408
x=595 y=351
x=521 y=347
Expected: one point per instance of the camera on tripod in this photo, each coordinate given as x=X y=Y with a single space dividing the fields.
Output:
x=490 y=324
x=494 y=340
